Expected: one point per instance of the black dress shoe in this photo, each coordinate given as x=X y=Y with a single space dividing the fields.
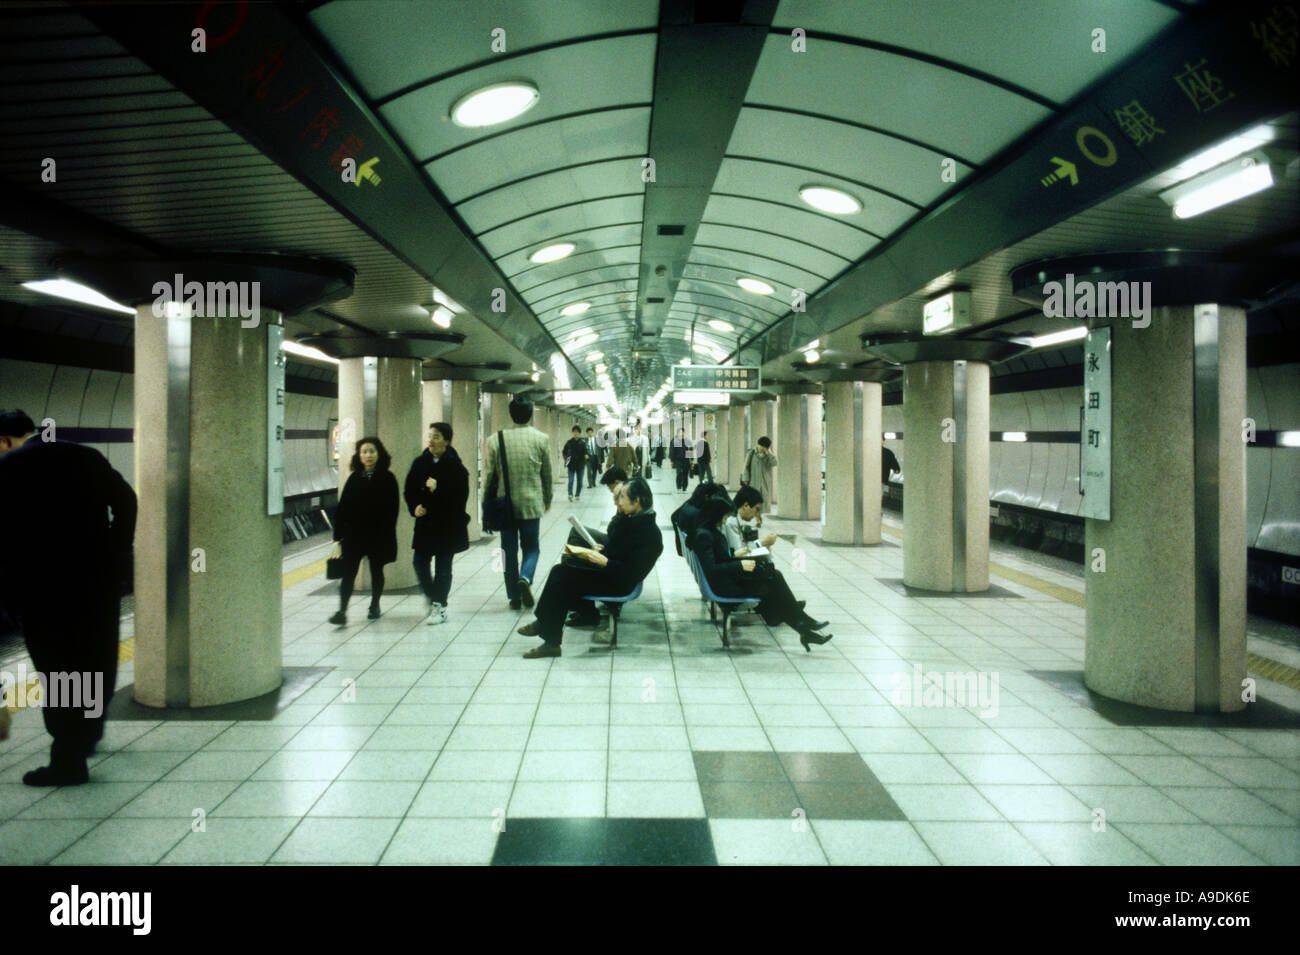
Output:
x=64 y=776
x=339 y=619
x=580 y=620
x=514 y=604
x=374 y=613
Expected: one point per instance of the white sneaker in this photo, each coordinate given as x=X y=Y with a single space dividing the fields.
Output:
x=437 y=615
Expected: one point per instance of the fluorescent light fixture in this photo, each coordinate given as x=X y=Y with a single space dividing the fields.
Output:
x=811 y=355
x=76 y=292
x=494 y=104
x=1217 y=155
x=684 y=361
x=702 y=397
x=834 y=201
x=445 y=300
x=577 y=308
x=718 y=324
x=756 y=286
x=1014 y=436
x=1234 y=180
x=583 y=397
x=583 y=340
x=441 y=316
x=535 y=376
x=601 y=368
x=595 y=355
x=306 y=351
x=1055 y=338
x=1288 y=439
x=890 y=436
x=552 y=253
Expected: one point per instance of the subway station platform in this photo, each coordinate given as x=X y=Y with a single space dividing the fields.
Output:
x=396 y=742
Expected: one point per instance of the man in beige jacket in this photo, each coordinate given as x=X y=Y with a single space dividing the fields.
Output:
x=528 y=459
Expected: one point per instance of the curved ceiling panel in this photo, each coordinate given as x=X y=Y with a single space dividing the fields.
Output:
x=592 y=293
x=802 y=227
x=562 y=187
x=579 y=282
x=738 y=265
x=546 y=226
x=921 y=101
x=591 y=243
x=434 y=37
x=531 y=150
x=771 y=247
x=894 y=166
x=988 y=36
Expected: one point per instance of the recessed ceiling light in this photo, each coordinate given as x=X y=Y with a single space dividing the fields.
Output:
x=721 y=326
x=76 y=292
x=577 y=308
x=494 y=104
x=552 y=253
x=306 y=351
x=585 y=340
x=811 y=355
x=595 y=355
x=536 y=376
x=600 y=369
x=835 y=201
x=756 y=286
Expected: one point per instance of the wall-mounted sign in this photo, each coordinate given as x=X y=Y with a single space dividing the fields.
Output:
x=1094 y=438
x=583 y=398
x=947 y=313
x=702 y=397
x=275 y=362
x=716 y=378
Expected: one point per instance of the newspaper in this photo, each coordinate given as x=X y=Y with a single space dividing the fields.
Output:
x=577 y=526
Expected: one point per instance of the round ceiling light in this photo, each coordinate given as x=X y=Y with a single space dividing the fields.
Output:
x=719 y=325
x=494 y=104
x=756 y=286
x=811 y=356
x=595 y=356
x=835 y=201
x=577 y=308
x=552 y=253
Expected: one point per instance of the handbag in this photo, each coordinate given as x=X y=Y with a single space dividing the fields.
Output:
x=498 y=511
x=334 y=568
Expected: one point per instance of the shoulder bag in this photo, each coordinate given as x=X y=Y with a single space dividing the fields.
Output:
x=498 y=512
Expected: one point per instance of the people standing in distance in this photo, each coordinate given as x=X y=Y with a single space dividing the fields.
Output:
x=704 y=459
x=621 y=453
x=365 y=525
x=528 y=458
x=575 y=460
x=594 y=456
x=677 y=458
x=65 y=554
x=436 y=489
x=759 y=464
x=747 y=577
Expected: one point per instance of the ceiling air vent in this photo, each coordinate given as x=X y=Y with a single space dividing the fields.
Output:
x=672 y=229
x=654 y=300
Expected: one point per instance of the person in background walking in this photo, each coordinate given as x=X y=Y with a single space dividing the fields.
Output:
x=677 y=458
x=594 y=456
x=888 y=464
x=365 y=525
x=437 y=487
x=575 y=460
x=704 y=459
x=620 y=453
x=528 y=458
x=759 y=464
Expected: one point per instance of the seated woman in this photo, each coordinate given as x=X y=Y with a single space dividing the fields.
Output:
x=630 y=551
x=741 y=578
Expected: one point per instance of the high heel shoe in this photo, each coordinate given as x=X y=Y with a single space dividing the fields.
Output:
x=807 y=636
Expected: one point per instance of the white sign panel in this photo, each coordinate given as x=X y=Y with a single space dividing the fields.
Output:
x=702 y=397
x=275 y=362
x=1094 y=439
x=583 y=398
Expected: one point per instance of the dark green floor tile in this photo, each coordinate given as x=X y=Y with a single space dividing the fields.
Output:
x=738 y=766
x=752 y=799
x=659 y=842
x=847 y=801
x=551 y=842
x=605 y=842
x=827 y=767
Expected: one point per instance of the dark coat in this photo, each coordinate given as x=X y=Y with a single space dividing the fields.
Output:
x=676 y=451
x=366 y=520
x=575 y=453
x=722 y=571
x=442 y=529
x=635 y=543
x=888 y=462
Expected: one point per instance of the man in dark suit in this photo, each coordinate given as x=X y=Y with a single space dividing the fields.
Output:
x=64 y=555
x=633 y=546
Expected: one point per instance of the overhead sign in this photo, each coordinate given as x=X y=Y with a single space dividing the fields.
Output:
x=947 y=313
x=1094 y=440
x=702 y=397
x=583 y=398
x=716 y=378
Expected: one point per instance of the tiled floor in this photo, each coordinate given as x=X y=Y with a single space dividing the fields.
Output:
x=451 y=748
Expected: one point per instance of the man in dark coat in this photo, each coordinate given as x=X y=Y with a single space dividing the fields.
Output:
x=64 y=556
x=575 y=460
x=888 y=464
x=437 y=487
x=633 y=546
x=594 y=455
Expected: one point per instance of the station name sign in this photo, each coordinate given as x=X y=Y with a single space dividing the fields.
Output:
x=583 y=398
x=716 y=378
x=702 y=397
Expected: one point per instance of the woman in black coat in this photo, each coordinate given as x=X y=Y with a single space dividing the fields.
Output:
x=365 y=524
x=729 y=577
x=437 y=487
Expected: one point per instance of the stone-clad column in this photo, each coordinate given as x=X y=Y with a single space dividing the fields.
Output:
x=1166 y=574
x=946 y=508
x=852 y=462
x=798 y=471
x=464 y=420
x=737 y=445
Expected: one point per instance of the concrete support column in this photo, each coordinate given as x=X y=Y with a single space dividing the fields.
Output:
x=737 y=444
x=208 y=594
x=463 y=415
x=946 y=510
x=384 y=397
x=436 y=403
x=1166 y=584
x=798 y=472
x=852 y=462
x=719 y=442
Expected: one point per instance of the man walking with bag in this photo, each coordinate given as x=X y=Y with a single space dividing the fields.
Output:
x=525 y=477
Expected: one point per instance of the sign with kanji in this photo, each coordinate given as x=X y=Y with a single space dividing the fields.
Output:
x=1094 y=439
x=716 y=378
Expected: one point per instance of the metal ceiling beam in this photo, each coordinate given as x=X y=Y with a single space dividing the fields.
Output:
x=1201 y=80
x=267 y=76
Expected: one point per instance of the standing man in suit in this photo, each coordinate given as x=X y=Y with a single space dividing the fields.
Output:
x=575 y=462
x=704 y=459
x=593 y=458
x=528 y=458
x=69 y=521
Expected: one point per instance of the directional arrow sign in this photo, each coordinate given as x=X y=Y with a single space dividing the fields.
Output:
x=1064 y=169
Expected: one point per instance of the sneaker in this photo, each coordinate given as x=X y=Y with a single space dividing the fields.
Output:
x=526 y=592
x=437 y=615
x=339 y=619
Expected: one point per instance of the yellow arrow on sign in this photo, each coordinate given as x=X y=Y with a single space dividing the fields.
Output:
x=1064 y=169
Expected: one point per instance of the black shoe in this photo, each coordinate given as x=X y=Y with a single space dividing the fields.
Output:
x=49 y=776
x=514 y=604
x=374 y=612
x=339 y=619
x=807 y=636
x=582 y=620
x=526 y=592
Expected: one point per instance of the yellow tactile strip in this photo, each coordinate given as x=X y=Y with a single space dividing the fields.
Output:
x=1273 y=670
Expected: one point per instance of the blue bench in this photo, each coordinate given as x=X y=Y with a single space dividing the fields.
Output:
x=726 y=604
x=615 y=605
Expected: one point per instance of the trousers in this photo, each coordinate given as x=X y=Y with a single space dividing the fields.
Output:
x=438 y=586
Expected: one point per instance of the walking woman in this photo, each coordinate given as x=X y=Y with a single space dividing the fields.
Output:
x=437 y=486
x=745 y=578
x=366 y=523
